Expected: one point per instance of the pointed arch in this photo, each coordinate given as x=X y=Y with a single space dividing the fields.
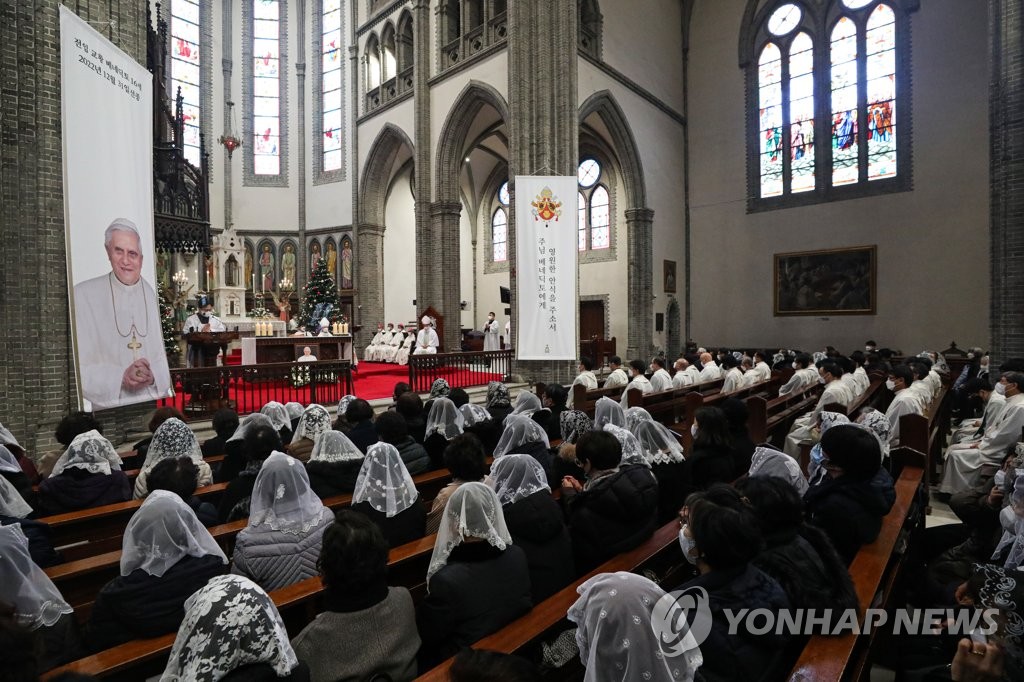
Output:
x=451 y=145
x=378 y=170
x=623 y=142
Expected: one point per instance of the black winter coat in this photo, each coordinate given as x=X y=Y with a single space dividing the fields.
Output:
x=414 y=455
x=40 y=546
x=479 y=591
x=235 y=459
x=537 y=526
x=850 y=511
x=333 y=478
x=60 y=643
x=744 y=656
x=741 y=452
x=674 y=485
x=399 y=529
x=140 y=605
x=708 y=467
x=263 y=672
x=435 y=444
x=214 y=446
x=76 y=489
x=234 y=503
x=363 y=435
x=616 y=514
x=808 y=568
x=22 y=484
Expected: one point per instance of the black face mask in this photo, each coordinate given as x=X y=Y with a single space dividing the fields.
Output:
x=204 y=317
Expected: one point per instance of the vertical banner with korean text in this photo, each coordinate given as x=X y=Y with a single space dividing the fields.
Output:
x=107 y=134
x=546 y=253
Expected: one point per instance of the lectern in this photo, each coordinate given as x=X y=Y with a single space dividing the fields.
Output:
x=204 y=346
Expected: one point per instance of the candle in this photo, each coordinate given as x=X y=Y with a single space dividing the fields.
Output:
x=254 y=284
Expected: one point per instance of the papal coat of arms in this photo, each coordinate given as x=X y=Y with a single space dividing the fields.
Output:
x=546 y=207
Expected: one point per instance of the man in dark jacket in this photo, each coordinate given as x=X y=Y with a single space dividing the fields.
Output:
x=615 y=510
x=850 y=502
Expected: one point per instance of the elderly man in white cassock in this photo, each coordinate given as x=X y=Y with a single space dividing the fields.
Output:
x=964 y=461
x=426 y=340
x=117 y=323
x=368 y=354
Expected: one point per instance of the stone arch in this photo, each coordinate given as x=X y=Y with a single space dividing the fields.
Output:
x=623 y=144
x=673 y=330
x=378 y=171
x=451 y=144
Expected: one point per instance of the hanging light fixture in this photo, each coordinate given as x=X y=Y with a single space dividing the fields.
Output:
x=230 y=141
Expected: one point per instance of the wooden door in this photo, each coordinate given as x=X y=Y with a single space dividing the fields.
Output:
x=591 y=319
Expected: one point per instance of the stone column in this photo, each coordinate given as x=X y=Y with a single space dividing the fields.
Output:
x=543 y=122
x=370 y=249
x=1006 y=135
x=301 y=265
x=640 y=274
x=442 y=265
x=428 y=277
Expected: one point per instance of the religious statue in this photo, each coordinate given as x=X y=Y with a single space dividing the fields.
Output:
x=346 y=263
x=163 y=272
x=288 y=263
x=231 y=272
x=282 y=303
x=332 y=259
x=267 y=267
x=314 y=256
x=248 y=266
x=211 y=273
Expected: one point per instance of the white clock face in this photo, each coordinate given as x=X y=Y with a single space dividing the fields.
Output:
x=784 y=19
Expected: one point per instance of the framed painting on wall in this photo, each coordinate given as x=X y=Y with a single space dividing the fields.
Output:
x=670 y=276
x=831 y=282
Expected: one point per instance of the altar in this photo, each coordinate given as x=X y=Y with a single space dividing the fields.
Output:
x=257 y=350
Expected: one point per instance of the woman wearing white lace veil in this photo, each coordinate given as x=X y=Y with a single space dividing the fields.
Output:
x=12 y=504
x=11 y=470
x=877 y=423
x=166 y=555
x=333 y=465
x=236 y=458
x=444 y=422
x=477 y=580
x=826 y=420
x=173 y=439
x=279 y=418
x=386 y=494
x=526 y=404
x=608 y=411
x=769 y=462
x=281 y=542
x=294 y=411
x=37 y=603
x=615 y=631
x=523 y=436
x=14 y=510
x=661 y=450
x=88 y=474
x=232 y=632
x=315 y=420
x=631 y=451
x=534 y=521
x=636 y=416
x=474 y=414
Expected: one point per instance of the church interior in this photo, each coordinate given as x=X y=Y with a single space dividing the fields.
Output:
x=779 y=205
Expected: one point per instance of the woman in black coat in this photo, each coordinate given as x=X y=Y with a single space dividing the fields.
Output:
x=87 y=475
x=386 y=494
x=535 y=522
x=334 y=464
x=499 y=406
x=258 y=442
x=444 y=423
x=523 y=436
x=359 y=416
x=478 y=581
x=147 y=599
x=849 y=503
x=661 y=450
x=11 y=471
x=711 y=460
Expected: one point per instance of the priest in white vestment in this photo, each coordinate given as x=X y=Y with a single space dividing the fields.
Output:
x=963 y=466
x=203 y=320
x=803 y=431
x=368 y=353
x=905 y=400
x=971 y=430
x=585 y=377
x=803 y=377
x=709 y=370
x=492 y=333
x=637 y=380
x=121 y=352
x=618 y=376
x=762 y=370
x=397 y=339
x=661 y=380
x=307 y=355
x=379 y=348
x=733 y=375
x=686 y=374
x=426 y=340
x=402 y=356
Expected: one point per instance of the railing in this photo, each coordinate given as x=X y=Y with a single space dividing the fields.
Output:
x=201 y=391
x=459 y=369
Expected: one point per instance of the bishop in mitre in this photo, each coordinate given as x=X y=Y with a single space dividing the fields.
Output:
x=426 y=340
x=117 y=323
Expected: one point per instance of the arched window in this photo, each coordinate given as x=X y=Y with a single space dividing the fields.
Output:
x=405 y=59
x=372 y=63
x=499 y=226
x=185 y=72
x=388 y=60
x=330 y=85
x=468 y=27
x=824 y=124
x=593 y=207
x=264 y=87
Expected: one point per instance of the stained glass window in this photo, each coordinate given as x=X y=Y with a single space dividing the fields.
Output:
x=769 y=79
x=845 y=144
x=185 y=43
x=826 y=104
x=330 y=53
x=266 y=110
x=582 y=221
x=881 y=93
x=499 y=235
x=600 y=219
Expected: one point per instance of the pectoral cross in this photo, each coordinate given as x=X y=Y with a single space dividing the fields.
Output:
x=134 y=345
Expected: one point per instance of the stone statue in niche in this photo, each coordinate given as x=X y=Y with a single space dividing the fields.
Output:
x=346 y=263
x=248 y=267
x=231 y=272
x=332 y=260
x=288 y=264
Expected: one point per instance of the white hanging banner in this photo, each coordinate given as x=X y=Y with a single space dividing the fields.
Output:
x=107 y=131
x=546 y=253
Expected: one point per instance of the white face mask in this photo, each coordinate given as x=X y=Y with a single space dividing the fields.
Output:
x=796 y=366
x=821 y=378
x=999 y=479
x=1001 y=388
x=693 y=430
x=890 y=384
x=688 y=545
x=868 y=349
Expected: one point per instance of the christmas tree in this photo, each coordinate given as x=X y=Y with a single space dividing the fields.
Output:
x=320 y=297
x=171 y=346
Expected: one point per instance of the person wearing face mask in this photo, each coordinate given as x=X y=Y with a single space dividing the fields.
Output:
x=709 y=370
x=905 y=401
x=870 y=347
x=636 y=380
x=836 y=392
x=733 y=374
x=661 y=380
x=618 y=376
x=964 y=466
x=203 y=320
x=686 y=374
x=971 y=430
x=803 y=376
x=711 y=459
x=719 y=535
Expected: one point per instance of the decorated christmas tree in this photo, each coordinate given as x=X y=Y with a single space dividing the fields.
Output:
x=320 y=297
x=171 y=346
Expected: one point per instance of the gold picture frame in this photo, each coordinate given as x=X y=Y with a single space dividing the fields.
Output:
x=828 y=282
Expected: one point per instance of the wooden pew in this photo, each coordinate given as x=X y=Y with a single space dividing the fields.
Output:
x=661 y=550
x=407 y=567
x=771 y=415
x=926 y=433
